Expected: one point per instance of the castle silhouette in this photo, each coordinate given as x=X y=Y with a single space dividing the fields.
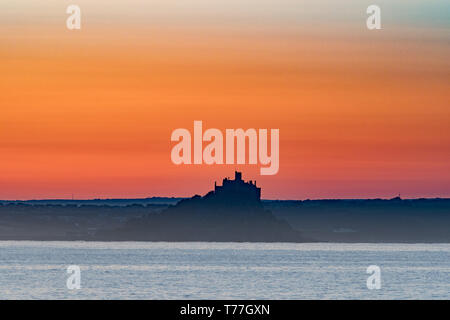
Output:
x=236 y=190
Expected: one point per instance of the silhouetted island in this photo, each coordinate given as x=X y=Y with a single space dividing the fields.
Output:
x=231 y=212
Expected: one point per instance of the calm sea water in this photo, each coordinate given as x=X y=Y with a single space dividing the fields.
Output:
x=149 y=270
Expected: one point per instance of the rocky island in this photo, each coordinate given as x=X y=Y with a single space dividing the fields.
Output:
x=231 y=212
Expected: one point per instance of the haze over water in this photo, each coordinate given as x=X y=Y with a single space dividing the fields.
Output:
x=199 y=270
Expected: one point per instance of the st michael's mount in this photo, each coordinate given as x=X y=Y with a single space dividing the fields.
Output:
x=232 y=211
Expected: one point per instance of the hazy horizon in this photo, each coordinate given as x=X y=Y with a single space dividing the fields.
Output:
x=187 y=197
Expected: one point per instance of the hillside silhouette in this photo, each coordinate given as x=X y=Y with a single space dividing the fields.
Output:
x=230 y=212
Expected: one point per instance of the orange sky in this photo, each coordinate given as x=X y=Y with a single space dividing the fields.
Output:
x=90 y=112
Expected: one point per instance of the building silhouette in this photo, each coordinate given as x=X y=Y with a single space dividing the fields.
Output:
x=236 y=190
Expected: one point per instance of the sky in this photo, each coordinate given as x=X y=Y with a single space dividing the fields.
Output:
x=90 y=112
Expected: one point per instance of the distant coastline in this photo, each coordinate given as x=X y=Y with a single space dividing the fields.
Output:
x=425 y=220
x=231 y=212
x=173 y=200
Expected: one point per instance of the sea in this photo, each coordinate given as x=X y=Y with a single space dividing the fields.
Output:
x=212 y=270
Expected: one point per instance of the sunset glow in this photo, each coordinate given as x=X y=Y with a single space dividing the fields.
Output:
x=361 y=113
